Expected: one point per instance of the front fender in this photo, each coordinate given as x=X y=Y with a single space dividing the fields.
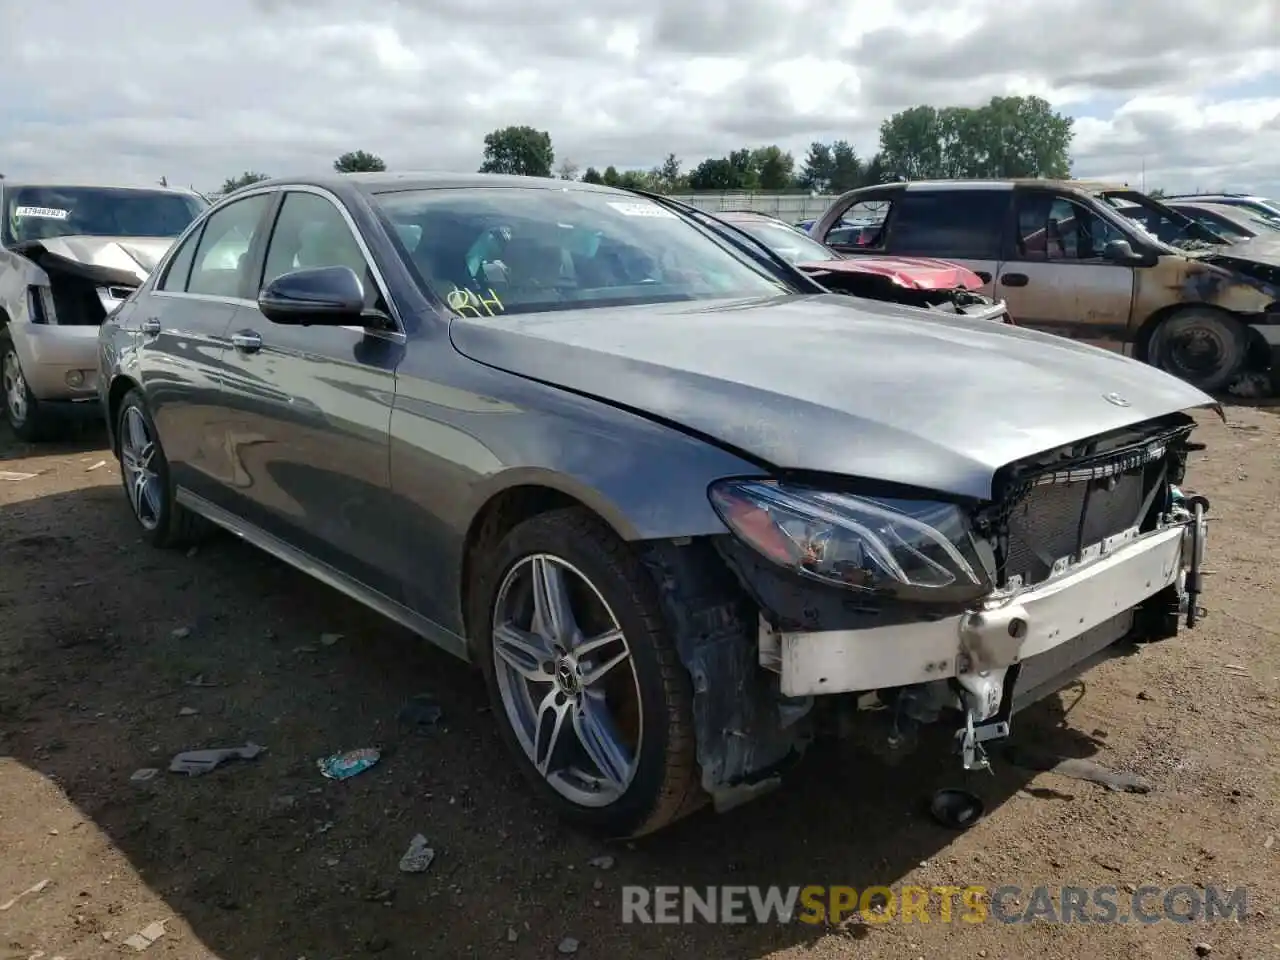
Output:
x=454 y=450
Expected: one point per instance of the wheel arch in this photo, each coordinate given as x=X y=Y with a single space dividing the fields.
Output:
x=526 y=494
x=1142 y=339
x=121 y=384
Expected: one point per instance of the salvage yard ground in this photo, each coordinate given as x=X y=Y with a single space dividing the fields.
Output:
x=114 y=657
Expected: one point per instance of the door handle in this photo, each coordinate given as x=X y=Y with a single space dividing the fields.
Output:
x=983 y=276
x=246 y=341
x=1014 y=279
x=151 y=326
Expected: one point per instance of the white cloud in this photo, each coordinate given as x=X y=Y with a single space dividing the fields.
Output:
x=137 y=89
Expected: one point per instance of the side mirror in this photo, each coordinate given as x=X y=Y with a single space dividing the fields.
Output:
x=327 y=296
x=1120 y=251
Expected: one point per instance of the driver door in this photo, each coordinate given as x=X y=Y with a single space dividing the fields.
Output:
x=1054 y=278
x=310 y=406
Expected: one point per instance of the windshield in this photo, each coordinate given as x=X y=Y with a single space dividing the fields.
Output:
x=1169 y=228
x=42 y=212
x=787 y=242
x=498 y=251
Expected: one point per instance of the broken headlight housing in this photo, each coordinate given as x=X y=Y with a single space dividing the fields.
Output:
x=906 y=549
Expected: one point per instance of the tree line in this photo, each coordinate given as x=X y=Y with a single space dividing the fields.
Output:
x=1006 y=137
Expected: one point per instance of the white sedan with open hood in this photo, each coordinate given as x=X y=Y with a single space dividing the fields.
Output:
x=69 y=256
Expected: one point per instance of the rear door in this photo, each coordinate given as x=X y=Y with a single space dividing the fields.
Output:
x=310 y=407
x=1054 y=277
x=183 y=325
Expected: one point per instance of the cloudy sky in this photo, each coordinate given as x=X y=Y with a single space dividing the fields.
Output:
x=197 y=91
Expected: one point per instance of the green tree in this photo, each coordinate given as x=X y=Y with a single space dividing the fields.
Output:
x=774 y=169
x=717 y=174
x=232 y=184
x=611 y=177
x=359 y=161
x=523 y=151
x=592 y=175
x=669 y=178
x=847 y=169
x=1007 y=137
x=819 y=168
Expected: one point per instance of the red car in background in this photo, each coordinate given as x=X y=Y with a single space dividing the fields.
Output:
x=915 y=281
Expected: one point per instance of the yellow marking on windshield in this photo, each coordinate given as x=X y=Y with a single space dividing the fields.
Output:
x=470 y=304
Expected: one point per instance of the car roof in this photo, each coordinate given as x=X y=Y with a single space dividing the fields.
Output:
x=1075 y=186
x=748 y=216
x=376 y=183
x=6 y=183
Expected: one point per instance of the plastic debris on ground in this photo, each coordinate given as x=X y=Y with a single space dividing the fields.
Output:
x=421 y=712
x=343 y=766
x=197 y=762
x=418 y=857
x=146 y=936
x=329 y=639
x=31 y=891
x=12 y=475
x=145 y=774
x=567 y=946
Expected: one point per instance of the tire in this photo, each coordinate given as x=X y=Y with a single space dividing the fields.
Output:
x=1226 y=340
x=25 y=415
x=164 y=522
x=607 y=586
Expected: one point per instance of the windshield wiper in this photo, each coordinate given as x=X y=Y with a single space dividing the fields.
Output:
x=736 y=235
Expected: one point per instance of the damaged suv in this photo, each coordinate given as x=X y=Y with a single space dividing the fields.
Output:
x=679 y=504
x=69 y=255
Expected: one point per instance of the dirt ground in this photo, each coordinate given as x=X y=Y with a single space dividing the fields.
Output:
x=114 y=656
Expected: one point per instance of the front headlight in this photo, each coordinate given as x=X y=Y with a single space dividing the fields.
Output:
x=910 y=549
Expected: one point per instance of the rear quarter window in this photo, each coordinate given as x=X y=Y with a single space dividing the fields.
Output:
x=954 y=224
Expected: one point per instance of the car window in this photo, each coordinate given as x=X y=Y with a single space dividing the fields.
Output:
x=787 y=242
x=179 y=269
x=220 y=259
x=493 y=251
x=311 y=232
x=43 y=212
x=963 y=224
x=860 y=226
x=1056 y=228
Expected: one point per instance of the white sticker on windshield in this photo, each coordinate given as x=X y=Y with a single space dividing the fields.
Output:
x=633 y=209
x=44 y=213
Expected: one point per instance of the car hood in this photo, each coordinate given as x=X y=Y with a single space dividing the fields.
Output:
x=914 y=273
x=1257 y=259
x=134 y=255
x=837 y=384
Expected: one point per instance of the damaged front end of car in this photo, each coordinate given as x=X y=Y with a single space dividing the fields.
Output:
x=887 y=610
x=77 y=293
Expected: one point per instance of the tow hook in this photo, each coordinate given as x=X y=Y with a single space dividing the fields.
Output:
x=1198 y=527
x=973 y=756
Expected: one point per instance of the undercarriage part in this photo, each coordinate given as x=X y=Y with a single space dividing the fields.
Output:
x=747 y=732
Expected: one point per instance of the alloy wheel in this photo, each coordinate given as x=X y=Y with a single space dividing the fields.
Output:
x=138 y=452
x=567 y=681
x=15 y=389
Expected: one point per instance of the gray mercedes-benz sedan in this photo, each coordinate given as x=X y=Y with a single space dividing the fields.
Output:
x=680 y=505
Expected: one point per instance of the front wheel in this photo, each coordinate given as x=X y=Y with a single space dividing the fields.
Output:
x=145 y=473
x=586 y=685
x=1206 y=348
x=26 y=416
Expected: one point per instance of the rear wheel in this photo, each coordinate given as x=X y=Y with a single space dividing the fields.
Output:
x=26 y=416
x=145 y=473
x=587 y=688
x=1205 y=347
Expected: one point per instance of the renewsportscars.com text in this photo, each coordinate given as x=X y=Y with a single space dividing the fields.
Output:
x=975 y=904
